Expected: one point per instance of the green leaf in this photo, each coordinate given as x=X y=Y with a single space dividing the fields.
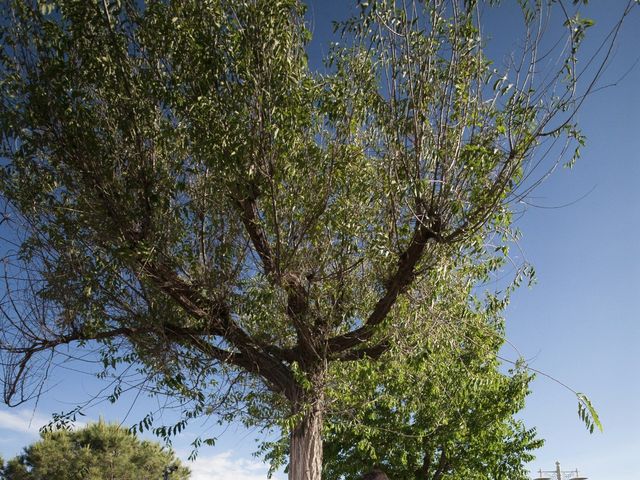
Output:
x=588 y=413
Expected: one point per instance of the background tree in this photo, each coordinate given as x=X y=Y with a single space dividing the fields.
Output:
x=444 y=412
x=99 y=451
x=193 y=201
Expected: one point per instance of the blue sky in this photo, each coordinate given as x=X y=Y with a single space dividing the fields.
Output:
x=579 y=324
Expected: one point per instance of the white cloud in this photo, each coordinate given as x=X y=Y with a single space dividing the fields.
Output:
x=224 y=466
x=25 y=421
x=22 y=421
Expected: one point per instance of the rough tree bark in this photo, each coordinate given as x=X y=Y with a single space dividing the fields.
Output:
x=305 y=456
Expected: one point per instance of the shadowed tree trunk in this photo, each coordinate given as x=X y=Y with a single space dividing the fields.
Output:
x=305 y=457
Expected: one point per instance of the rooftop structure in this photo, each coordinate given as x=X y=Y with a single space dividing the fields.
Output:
x=559 y=474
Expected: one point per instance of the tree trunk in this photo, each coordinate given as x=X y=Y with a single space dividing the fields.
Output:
x=305 y=455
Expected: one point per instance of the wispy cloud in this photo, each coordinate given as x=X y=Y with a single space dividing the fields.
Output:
x=224 y=466
x=22 y=421
x=26 y=421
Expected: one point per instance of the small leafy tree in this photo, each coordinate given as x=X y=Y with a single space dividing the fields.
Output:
x=443 y=412
x=99 y=451
x=194 y=201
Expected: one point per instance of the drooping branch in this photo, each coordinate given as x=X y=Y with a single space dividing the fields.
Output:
x=258 y=363
x=18 y=367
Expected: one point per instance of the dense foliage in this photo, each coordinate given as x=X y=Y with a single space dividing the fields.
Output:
x=446 y=413
x=99 y=451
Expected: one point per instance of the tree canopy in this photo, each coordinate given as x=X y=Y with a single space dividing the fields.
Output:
x=99 y=451
x=444 y=412
x=191 y=199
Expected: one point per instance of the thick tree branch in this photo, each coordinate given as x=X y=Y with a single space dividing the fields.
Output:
x=274 y=372
x=443 y=464
x=297 y=302
x=251 y=221
x=374 y=352
x=257 y=357
x=423 y=471
x=397 y=284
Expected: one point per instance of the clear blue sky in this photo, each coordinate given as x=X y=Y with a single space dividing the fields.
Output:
x=579 y=324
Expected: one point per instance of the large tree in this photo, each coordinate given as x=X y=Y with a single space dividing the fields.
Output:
x=192 y=199
x=99 y=451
